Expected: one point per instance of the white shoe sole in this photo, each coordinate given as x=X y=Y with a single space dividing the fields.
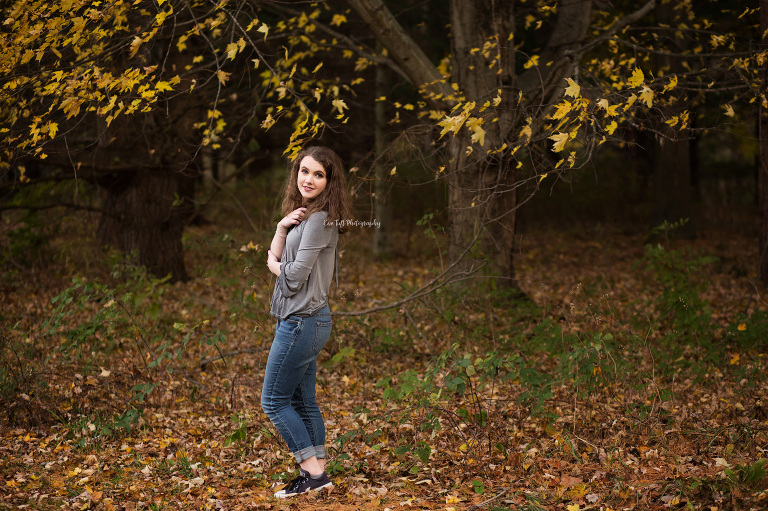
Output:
x=282 y=495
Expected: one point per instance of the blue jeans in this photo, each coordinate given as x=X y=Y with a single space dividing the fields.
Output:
x=288 y=395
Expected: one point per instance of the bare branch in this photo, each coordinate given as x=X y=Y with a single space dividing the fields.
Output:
x=626 y=20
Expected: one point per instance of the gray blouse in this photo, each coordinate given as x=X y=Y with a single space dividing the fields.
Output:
x=306 y=268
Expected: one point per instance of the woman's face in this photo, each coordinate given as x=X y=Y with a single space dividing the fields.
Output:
x=312 y=178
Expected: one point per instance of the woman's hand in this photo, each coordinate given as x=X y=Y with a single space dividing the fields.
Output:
x=293 y=218
x=278 y=240
x=273 y=263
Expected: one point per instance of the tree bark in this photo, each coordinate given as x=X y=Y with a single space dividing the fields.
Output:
x=762 y=176
x=382 y=239
x=482 y=199
x=146 y=212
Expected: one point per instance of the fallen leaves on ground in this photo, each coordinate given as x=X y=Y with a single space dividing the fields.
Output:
x=202 y=442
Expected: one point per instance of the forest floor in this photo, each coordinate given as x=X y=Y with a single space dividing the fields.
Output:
x=630 y=378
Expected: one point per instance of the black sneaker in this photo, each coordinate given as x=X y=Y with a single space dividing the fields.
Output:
x=302 y=484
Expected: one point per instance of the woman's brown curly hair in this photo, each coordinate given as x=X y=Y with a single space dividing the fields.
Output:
x=335 y=199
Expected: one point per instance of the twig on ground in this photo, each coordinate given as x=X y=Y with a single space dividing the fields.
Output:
x=482 y=504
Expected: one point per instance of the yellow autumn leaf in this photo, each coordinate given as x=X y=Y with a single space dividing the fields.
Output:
x=338 y=19
x=339 y=105
x=232 y=51
x=52 y=129
x=268 y=122
x=393 y=171
x=735 y=359
x=573 y=507
x=543 y=176
x=646 y=96
x=742 y=327
x=525 y=132
x=160 y=17
x=264 y=29
x=611 y=127
x=729 y=110
x=559 y=139
x=453 y=123
x=222 y=76
x=603 y=103
x=671 y=85
x=630 y=101
x=478 y=135
x=135 y=45
x=562 y=110
x=163 y=86
x=573 y=89
x=637 y=78
x=181 y=44
x=500 y=149
x=533 y=61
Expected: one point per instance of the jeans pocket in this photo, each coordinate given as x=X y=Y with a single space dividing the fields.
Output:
x=322 y=334
x=288 y=330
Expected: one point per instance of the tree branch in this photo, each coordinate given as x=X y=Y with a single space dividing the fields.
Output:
x=626 y=20
x=427 y=288
x=421 y=72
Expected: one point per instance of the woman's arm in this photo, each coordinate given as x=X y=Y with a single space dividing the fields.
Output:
x=278 y=240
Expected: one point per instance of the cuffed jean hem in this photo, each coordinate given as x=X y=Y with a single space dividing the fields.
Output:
x=308 y=452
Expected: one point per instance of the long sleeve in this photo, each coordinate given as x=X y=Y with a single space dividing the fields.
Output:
x=315 y=237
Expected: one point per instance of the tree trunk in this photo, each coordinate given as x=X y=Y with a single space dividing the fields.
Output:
x=762 y=176
x=145 y=214
x=382 y=239
x=482 y=199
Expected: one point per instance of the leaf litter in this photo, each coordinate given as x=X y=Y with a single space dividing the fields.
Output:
x=656 y=434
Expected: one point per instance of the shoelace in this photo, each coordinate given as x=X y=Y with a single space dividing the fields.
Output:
x=298 y=481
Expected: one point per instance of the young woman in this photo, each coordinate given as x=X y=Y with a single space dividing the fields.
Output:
x=303 y=256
